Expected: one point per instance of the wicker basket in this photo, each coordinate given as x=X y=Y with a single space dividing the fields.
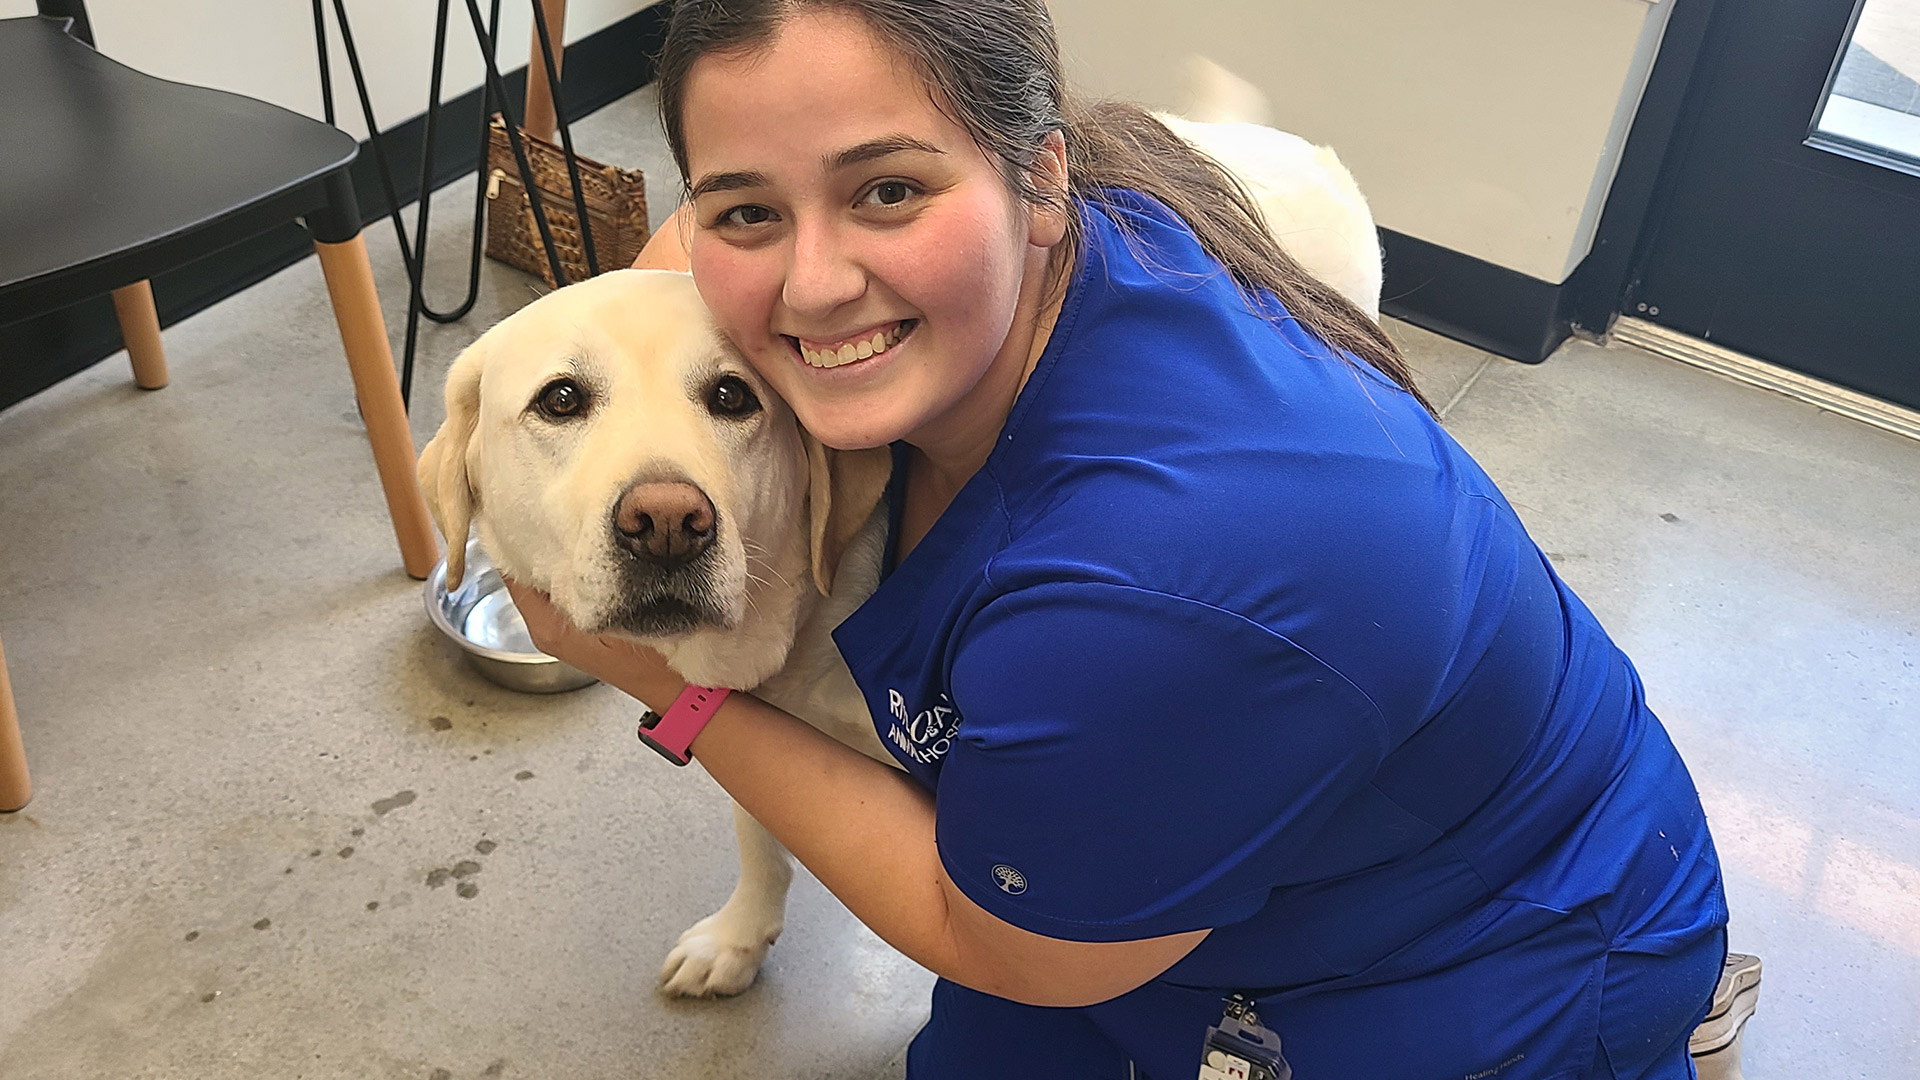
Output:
x=616 y=208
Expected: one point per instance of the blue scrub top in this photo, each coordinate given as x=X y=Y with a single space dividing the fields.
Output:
x=1228 y=633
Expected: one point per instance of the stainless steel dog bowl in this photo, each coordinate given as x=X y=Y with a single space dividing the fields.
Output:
x=480 y=617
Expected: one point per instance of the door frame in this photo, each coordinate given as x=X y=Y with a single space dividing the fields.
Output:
x=1524 y=318
x=1602 y=286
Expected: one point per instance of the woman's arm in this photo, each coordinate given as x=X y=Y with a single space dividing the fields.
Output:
x=867 y=832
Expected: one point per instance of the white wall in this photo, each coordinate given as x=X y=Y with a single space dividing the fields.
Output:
x=264 y=48
x=1491 y=127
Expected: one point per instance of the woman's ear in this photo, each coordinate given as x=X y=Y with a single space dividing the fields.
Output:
x=449 y=463
x=1047 y=222
x=843 y=488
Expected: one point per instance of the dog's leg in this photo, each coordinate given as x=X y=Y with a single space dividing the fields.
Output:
x=721 y=954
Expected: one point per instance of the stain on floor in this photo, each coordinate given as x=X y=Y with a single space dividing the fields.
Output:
x=393 y=802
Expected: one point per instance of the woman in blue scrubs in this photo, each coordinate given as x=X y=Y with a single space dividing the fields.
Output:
x=1215 y=665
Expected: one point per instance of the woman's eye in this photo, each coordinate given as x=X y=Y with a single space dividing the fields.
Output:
x=890 y=193
x=747 y=215
x=732 y=397
x=560 y=399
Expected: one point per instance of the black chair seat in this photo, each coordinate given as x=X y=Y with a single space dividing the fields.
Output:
x=109 y=176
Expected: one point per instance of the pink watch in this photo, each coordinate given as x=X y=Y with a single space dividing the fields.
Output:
x=672 y=734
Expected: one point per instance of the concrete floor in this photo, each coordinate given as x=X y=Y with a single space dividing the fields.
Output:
x=257 y=764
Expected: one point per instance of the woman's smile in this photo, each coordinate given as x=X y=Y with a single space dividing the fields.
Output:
x=836 y=352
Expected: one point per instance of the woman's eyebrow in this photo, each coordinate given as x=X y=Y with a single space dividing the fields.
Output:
x=727 y=181
x=860 y=153
x=878 y=148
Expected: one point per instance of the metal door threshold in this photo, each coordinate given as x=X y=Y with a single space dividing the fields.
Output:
x=1742 y=368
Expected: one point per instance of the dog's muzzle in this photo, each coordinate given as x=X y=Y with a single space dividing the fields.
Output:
x=666 y=530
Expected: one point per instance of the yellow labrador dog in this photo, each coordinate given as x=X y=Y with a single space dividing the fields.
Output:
x=611 y=449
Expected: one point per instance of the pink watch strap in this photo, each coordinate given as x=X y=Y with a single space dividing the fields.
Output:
x=672 y=733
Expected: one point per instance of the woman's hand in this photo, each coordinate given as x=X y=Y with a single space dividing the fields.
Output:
x=619 y=663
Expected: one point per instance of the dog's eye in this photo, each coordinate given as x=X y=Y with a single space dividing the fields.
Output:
x=731 y=396
x=561 y=399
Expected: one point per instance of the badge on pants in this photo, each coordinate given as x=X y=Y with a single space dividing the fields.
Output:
x=1239 y=1048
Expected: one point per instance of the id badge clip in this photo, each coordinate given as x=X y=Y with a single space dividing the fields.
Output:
x=1238 y=1048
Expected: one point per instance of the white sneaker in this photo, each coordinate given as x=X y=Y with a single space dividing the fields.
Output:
x=1715 y=1044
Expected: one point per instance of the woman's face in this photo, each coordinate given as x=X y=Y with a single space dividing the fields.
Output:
x=855 y=243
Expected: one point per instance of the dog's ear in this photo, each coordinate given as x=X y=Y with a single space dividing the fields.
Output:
x=447 y=465
x=843 y=487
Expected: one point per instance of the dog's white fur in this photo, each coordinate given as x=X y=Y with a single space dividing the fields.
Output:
x=799 y=535
x=1308 y=199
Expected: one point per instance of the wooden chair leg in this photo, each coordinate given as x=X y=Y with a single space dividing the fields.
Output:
x=540 y=115
x=15 y=787
x=140 y=326
x=363 y=331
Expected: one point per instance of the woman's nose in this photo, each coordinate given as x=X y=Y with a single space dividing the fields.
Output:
x=823 y=274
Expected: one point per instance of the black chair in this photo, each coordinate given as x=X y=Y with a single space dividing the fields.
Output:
x=109 y=176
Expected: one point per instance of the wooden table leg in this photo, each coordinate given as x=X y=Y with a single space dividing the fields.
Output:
x=15 y=787
x=140 y=326
x=540 y=116
x=363 y=331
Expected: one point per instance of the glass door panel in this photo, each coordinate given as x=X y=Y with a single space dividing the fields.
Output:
x=1871 y=108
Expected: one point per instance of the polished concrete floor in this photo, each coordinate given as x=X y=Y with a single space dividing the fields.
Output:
x=282 y=831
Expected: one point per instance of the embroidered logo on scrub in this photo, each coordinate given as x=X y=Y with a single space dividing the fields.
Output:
x=1011 y=881
x=927 y=735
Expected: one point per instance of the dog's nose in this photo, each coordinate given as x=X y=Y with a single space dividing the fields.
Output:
x=665 y=523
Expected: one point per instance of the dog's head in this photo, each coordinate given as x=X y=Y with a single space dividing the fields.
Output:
x=614 y=451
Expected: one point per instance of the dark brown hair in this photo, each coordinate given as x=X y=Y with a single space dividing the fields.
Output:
x=994 y=67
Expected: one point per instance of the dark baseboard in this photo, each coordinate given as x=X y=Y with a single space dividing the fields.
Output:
x=601 y=68
x=1490 y=307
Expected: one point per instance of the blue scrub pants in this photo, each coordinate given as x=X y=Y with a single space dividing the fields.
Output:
x=1630 y=1021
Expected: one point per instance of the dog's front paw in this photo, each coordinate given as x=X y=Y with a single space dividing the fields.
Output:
x=718 y=956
